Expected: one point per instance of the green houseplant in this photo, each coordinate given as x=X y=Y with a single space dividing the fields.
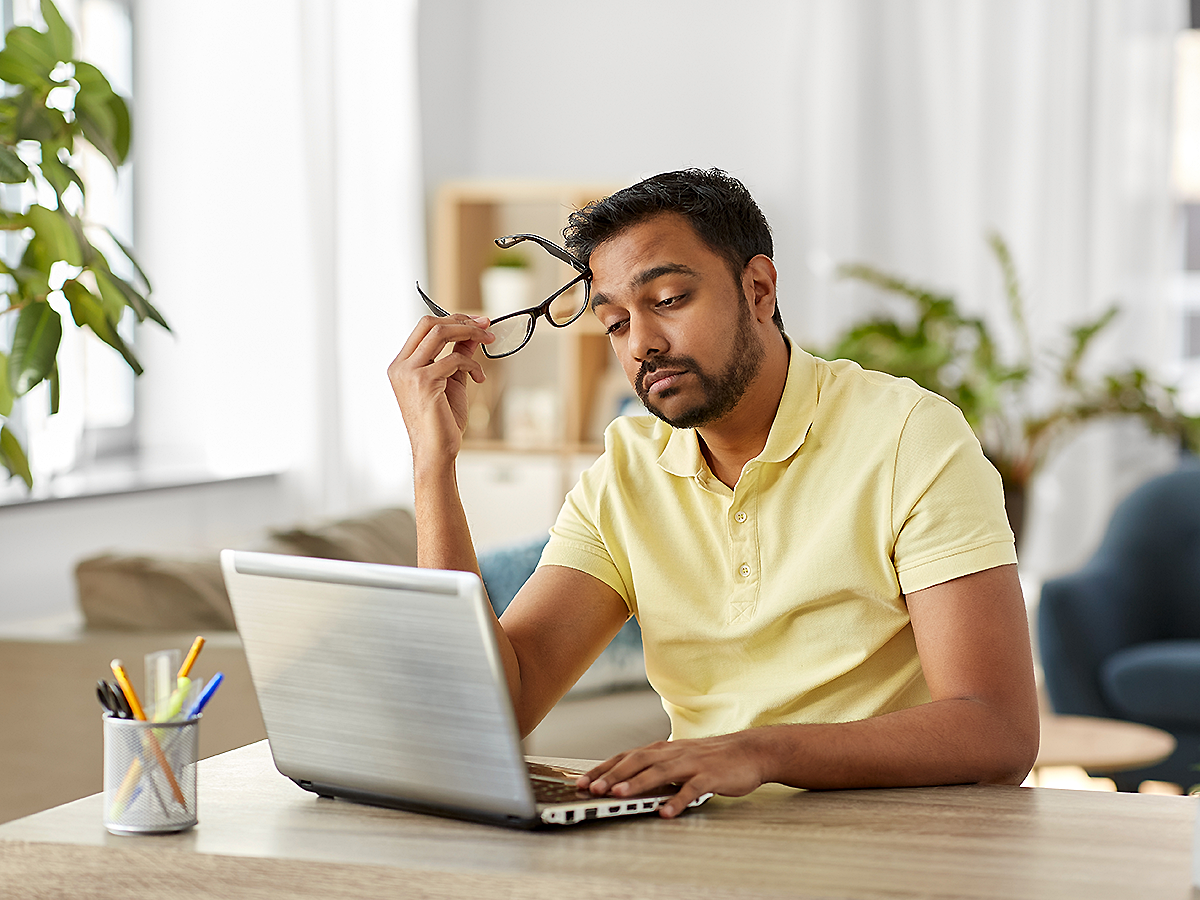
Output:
x=1021 y=405
x=53 y=103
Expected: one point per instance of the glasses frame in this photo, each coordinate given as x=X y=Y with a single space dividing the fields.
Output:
x=542 y=310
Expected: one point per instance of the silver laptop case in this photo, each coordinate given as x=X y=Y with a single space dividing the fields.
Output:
x=381 y=684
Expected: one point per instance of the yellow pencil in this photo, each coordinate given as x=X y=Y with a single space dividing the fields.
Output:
x=191 y=657
x=118 y=669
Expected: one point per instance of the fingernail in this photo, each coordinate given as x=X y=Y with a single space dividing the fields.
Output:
x=622 y=788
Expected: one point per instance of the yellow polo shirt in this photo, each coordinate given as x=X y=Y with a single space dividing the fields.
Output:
x=781 y=600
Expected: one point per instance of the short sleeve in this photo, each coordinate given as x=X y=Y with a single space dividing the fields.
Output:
x=947 y=501
x=575 y=539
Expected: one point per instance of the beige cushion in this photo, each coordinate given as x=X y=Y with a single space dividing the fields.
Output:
x=165 y=593
x=387 y=536
x=145 y=593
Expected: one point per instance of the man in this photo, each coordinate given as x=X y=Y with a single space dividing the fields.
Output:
x=817 y=555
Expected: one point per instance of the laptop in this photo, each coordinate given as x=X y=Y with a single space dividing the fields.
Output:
x=383 y=684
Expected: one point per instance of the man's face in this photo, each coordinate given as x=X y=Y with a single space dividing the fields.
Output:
x=680 y=324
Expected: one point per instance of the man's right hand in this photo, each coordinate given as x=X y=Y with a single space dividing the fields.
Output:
x=431 y=388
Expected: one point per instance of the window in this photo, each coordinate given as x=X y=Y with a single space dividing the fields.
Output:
x=96 y=418
x=1186 y=180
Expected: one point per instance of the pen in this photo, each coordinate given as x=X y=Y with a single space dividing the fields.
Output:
x=206 y=694
x=118 y=669
x=168 y=710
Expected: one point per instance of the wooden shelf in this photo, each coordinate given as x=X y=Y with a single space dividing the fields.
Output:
x=556 y=394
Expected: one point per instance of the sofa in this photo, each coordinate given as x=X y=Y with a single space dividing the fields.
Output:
x=131 y=605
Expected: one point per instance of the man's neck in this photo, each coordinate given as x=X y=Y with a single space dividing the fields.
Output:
x=737 y=438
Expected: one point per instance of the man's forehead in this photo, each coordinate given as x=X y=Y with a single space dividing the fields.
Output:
x=664 y=245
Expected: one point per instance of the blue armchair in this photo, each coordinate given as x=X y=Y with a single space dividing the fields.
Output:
x=1120 y=638
x=620 y=667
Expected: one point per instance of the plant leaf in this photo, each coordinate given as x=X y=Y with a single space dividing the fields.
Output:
x=6 y=394
x=27 y=58
x=132 y=261
x=12 y=169
x=60 y=175
x=94 y=113
x=34 y=346
x=53 y=228
x=124 y=127
x=35 y=121
x=32 y=283
x=112 y=298
x=54 y=389
x=62 y=42
x=35 y=46
x=13 y=458
x=87 y=310
x=141 y=306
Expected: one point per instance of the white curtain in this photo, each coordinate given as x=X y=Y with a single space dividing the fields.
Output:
x=917 y=125
x=280 y=217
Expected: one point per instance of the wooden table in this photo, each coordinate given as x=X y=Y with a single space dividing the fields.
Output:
x=261 y=836
x=1101 y=745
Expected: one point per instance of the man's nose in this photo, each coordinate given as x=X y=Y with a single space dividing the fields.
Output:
x=645 y=338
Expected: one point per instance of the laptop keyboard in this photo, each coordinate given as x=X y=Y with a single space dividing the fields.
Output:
x=547 y=790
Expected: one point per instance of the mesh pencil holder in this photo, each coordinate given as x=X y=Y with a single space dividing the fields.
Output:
x=150 y=775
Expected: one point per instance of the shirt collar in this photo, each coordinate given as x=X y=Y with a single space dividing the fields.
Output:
x=681 y=456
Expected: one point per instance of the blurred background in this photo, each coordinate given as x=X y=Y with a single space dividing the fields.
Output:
x=297 y=165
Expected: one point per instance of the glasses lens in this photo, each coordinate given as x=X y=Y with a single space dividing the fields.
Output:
x=570 y=303
x=510 y=334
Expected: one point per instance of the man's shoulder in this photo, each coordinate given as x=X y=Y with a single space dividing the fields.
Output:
x=638 y=436
x=845 y=386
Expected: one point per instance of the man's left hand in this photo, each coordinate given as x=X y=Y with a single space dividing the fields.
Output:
x=730 y=764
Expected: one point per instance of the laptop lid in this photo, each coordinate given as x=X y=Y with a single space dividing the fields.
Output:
x=381 y=684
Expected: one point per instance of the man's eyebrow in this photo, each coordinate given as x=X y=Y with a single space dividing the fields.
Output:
x=648 y=275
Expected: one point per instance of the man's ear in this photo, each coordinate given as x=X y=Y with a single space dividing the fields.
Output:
x=758 y=286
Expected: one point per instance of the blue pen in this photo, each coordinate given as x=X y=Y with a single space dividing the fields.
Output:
x=206 y=694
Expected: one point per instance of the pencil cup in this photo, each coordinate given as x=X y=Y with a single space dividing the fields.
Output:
x=149 y=775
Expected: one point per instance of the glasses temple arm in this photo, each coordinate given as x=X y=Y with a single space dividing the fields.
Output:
x=511 y=240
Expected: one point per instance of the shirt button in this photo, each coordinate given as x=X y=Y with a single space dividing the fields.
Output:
x=740 y=517
x=745 y=570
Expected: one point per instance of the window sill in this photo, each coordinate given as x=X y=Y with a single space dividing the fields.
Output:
x=116 y=477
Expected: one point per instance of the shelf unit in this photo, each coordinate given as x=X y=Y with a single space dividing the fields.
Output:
x=567 y=375
x=542 y=410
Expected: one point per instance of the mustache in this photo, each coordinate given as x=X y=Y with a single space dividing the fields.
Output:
x=679 y=363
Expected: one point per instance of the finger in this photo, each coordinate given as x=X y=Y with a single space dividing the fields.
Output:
x=442 y=333
x=690 y=792
x=585 y=781
x=453 y=365
x=639 y=770
x=426 y=324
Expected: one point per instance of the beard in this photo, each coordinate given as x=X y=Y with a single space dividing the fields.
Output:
x=721 y=391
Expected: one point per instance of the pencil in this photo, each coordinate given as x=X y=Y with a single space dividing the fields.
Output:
x=191 y=657
x=118 y=669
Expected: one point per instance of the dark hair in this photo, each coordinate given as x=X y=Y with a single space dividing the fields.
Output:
x=716 y=204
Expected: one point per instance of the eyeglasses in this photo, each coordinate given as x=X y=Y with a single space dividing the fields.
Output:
x=514 y=330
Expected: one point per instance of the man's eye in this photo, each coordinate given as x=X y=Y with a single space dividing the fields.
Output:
x=615 y=327
x=670 y=301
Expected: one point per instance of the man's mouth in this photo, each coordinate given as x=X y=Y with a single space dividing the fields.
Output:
x=661 y=380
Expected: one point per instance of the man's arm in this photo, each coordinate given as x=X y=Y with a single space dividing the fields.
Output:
x=561 y=619
x=972 y=636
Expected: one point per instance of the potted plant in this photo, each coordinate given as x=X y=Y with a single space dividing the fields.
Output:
x=53 y=103
x=1020 y=408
